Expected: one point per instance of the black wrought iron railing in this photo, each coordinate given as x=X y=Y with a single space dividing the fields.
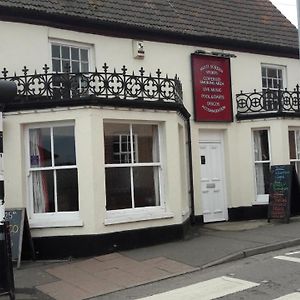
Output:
x=100 y=84
x=268 y=103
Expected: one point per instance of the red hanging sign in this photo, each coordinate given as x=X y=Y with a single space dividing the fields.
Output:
x=212 y=88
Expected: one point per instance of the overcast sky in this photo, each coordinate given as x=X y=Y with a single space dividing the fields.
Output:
x=288 y=8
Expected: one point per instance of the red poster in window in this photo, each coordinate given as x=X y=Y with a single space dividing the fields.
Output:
x=212 y=88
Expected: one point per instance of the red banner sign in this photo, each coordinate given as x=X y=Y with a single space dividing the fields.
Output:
x=212 y=88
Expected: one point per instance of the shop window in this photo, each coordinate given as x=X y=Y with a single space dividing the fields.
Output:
x=262 y=163
x=52 y=170
x=294 y=143
x=273 y=79
x=73 y=59
x=132 y=166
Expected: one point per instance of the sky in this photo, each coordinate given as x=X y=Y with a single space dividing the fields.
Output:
x=288 y=8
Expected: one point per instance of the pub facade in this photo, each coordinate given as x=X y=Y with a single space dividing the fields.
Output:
x=120 y=138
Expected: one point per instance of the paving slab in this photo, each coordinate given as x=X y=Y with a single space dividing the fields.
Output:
x=105 y=274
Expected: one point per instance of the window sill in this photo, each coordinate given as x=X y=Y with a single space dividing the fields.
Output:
x=52 y=222
x=260 y=203
x=129 y=216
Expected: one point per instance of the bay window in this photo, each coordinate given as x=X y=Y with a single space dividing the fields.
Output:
x=53 y=182
x=132 y=166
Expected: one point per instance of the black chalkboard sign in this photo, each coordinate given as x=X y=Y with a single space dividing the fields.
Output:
x=18 y=228
x=282 y=182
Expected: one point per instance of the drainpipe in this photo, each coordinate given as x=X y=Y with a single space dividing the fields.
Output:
x=192 y=198
x=298 y=17
x=8 y=90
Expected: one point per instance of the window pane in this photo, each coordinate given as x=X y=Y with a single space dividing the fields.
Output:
x=67 y=190
x=261 y=145
x=66 y=65
x=292 y=144
x=262 y=174
x=263 y=71
x=147 y=143
x=146 y=186
x=118 y=188
x=40 y=147
x=64 y=146
x=55 y=51
x=84 y=55
x=75 y=53
x=270 y=84
x=43 y=191
x=113 y=134
x=56 y=65
x=84 y=67
x=65 y=51
x=75 y=67
x=272 y=72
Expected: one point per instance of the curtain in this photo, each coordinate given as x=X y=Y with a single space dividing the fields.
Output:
x=39 y=181
x=259 y=170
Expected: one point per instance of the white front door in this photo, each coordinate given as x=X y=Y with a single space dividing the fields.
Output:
x=213 y=182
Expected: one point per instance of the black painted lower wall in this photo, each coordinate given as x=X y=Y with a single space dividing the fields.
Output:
x=58 y=247
x=248 y=212
x=242 y=213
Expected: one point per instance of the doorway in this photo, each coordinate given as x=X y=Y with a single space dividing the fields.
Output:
x=213 y=188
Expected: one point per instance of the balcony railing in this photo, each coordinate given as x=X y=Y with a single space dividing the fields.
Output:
x=98 y=87
x=268 y=103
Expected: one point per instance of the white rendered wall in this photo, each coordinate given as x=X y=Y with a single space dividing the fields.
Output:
x=29 y=45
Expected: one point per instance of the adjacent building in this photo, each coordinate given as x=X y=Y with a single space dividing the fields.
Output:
x=134 y=117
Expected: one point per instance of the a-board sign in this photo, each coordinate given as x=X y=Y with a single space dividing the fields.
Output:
x=7 y=286
x=19 y=229
x=283 y=180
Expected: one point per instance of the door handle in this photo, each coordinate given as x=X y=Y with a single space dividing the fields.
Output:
x=211 y=185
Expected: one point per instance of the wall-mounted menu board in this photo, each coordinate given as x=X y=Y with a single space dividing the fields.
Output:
x=281 y=183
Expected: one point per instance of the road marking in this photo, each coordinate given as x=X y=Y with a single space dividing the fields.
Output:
x=206 y=290
x=291 y=253
x=293 y=296
x=293 y=259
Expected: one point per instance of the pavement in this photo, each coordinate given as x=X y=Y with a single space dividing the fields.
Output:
x=204 y=246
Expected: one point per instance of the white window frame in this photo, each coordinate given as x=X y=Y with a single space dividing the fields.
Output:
x=260 y=198
x=278 y=67
x=140 y=213
x=72 y=44
x=49 y=219
x=295 y=160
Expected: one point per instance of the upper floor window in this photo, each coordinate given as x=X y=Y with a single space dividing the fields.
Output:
x=273 y=80
x=273 y=77
x=74 y=59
